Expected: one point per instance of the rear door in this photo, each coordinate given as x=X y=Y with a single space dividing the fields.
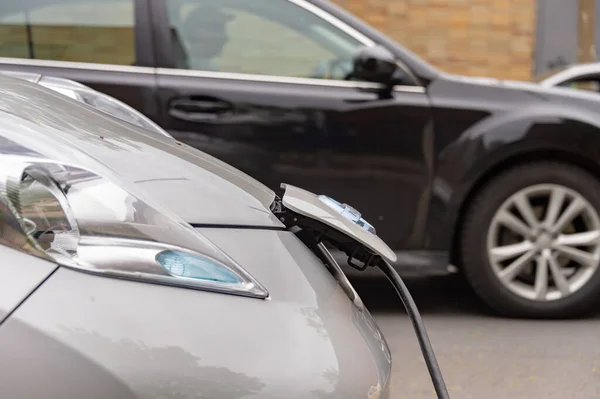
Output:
x=104 y=44
x=262 y=85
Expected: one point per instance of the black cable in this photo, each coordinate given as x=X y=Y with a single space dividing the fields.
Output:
x=413 y=313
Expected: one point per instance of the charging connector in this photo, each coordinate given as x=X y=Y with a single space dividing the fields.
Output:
x=314 y=233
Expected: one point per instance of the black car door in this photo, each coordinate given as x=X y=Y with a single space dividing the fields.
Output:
x=261 y=85
x=104 y=44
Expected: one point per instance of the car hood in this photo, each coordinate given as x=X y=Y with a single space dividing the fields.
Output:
x=196 y=186
x=529 y=93
x=500 y=83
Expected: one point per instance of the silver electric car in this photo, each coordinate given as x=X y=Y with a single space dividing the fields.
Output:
x=91 y=97
x=134 y=266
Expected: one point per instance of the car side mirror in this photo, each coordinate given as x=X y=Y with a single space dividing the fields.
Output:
x=376 y=64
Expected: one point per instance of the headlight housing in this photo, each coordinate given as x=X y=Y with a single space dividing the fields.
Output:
x=86 y=222
x=102 y=102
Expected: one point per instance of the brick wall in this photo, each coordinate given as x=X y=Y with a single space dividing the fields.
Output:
x=114 y=45
x=473 y=37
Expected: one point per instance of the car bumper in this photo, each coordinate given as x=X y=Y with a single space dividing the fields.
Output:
x=90 y=336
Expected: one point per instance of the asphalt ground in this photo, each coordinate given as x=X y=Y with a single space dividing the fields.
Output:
x=483 y=355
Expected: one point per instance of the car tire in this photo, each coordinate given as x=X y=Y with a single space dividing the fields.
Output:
x=484 y=233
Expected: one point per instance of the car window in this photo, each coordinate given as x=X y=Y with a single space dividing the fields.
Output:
x=264 y=37
x=97 y=31
x=589 y=84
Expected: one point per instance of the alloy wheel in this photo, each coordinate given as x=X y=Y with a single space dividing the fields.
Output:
x=543 y=242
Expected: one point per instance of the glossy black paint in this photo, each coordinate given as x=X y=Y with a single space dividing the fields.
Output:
x=517 y=124
x=409 y=160
x=340 y=142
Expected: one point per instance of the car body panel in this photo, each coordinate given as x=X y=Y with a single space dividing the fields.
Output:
x=518 y=121
x=132 y=85
x=421 y=150
x=63 y=129
x=348 y=140
x=347 y=143
x=76 y=333
x=20 y=275
x=74 y=90
x=571 y=73
x=135 y=340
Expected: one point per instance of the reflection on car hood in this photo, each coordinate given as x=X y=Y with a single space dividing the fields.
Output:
x=197 y=187
x=522 y=86
x=568 y=101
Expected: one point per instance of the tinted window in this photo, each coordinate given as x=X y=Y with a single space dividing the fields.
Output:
x=589 y=84
x=265 y=37
x=100 y=31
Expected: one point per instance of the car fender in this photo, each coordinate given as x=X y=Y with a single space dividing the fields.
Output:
x=540 y=131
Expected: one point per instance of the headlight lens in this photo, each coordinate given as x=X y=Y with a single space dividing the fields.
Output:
x=102 y=102
x=187 y=265
x=86 y=222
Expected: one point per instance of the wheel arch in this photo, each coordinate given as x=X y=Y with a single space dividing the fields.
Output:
x=531 y=156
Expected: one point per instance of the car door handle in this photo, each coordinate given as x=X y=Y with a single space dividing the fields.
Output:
x=198 y=109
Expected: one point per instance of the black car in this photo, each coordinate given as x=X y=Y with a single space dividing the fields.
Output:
x=498 y=179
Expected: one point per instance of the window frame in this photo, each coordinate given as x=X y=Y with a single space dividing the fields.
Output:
x=143 y=48
x=166 y=63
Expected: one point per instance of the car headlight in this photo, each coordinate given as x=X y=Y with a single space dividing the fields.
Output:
x=87 y=222
x=101 y=102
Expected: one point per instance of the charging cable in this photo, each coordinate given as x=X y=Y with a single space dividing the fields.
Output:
x=413 y=313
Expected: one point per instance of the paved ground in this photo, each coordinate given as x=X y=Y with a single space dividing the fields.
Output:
x=483 y=356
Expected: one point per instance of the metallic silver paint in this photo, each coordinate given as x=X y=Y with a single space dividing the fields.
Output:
x=20 y=274
x=100 y=101
x=173 y=173
x=572 y=72
x=103 y=229
x=79 y=335
x=134 y=340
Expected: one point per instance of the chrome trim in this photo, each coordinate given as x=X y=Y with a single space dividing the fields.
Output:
x=136 y=260
x=109 y=254
x=333 y=21
x=282 y=79
x=410 y=89
x=264 y=78
x=76 y=65
x=203 y=74
x=315 y=10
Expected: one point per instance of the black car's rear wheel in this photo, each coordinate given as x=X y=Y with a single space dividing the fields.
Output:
x=530 y=242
